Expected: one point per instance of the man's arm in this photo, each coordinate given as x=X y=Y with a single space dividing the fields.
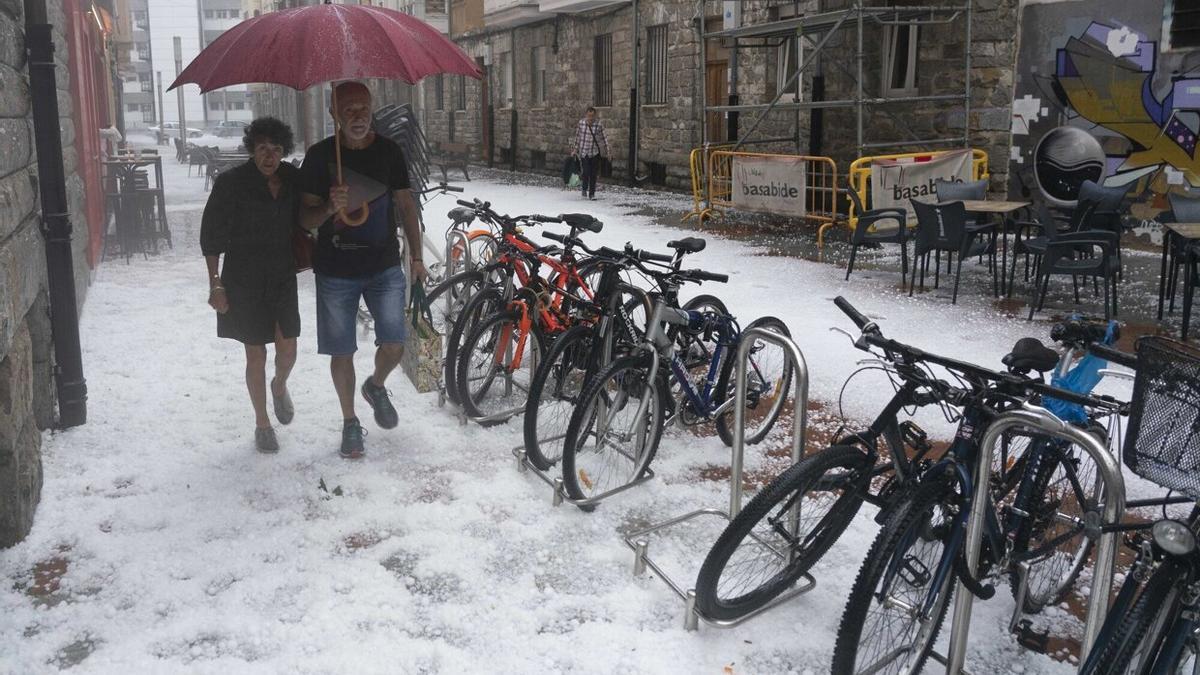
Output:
x=314 y=211
x=407 y=212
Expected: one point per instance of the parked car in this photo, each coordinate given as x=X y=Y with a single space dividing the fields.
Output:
x=172 y=129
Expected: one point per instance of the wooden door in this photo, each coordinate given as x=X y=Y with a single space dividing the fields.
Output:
x=716 y=87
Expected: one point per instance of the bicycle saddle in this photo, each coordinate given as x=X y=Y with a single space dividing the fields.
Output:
x=461 y=214
x=688 y=244
x=1030 y=354
x=581 y=221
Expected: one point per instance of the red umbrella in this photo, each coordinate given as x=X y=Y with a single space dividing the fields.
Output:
x=305 y=46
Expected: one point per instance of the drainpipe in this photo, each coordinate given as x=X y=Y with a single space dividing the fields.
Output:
x=56 y=221
x=633 y=103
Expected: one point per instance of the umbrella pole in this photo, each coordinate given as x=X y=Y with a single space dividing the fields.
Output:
x=364 y=210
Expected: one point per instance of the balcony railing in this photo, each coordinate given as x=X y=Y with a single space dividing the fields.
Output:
x=574 y=6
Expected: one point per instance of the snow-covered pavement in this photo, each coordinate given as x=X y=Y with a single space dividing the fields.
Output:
x=165 y=543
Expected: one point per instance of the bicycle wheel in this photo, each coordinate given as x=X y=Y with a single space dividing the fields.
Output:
x=554 y=393
x=447 y=299
x=694 y=349
x=886 y=628
x=782 y=532
x=768 y=383
x=496 y=365
x=615 y=429
x=1064 y=490
x=1134 y=645
x=484 y=303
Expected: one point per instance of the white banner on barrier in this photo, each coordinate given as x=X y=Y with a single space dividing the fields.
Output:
x=769 y=184
x=895 y=181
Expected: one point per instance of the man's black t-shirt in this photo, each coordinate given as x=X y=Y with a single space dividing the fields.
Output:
x=372 y=173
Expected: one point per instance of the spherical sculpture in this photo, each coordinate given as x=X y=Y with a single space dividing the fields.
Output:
x=1064 y=158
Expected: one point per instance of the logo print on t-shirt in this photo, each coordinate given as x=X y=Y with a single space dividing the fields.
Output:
x=374 y=231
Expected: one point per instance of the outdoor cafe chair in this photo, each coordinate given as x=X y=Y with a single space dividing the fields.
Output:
x=1089 y=253
x=197 y=157
x=1183 y=210
x=976 y=190
x=1192 y=267
x=942 y=227
x=1106 y=213
x=868 y=231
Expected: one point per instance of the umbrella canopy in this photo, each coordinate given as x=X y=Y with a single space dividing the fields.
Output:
x=305 y=46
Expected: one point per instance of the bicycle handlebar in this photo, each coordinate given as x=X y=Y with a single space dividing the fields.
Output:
x=1114 y=355
x=872 y=336
x=701 y=275
x=654 y=257
x=544 y=219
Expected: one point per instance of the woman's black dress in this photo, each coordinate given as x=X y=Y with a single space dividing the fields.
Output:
x=253 y=230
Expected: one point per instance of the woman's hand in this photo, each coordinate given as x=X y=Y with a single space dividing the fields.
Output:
x=217 y=299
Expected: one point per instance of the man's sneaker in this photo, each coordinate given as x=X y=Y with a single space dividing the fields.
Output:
x=352 y=440
x=265 y=441
x=284 y=410
x=385 y=414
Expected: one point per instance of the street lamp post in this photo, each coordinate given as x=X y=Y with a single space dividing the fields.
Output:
x=179 y=91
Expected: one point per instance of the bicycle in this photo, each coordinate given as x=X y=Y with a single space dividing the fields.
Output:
x=595 y=462
x=1153 y=622
x=899 y=599
x=509 y=342
x=619 y=312
x=794 y=520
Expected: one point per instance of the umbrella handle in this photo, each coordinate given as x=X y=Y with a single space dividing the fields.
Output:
x=364 y=211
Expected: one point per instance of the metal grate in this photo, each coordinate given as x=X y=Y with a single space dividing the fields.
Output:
x=602 y=76
x=1163 y=443
x=1184 y=17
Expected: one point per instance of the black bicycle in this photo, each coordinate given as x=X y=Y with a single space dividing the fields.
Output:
x=1153 y=626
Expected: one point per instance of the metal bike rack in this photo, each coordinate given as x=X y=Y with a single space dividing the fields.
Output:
x=639 y=542
x=1045 y=423
x=556 y=482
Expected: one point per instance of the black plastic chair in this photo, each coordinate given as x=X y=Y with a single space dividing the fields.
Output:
x=867 y=231
x=1183 y=210
x=1106 y=212
x=942 y=227
x=976 y=190
x=1090 y=253
x=1192 y=264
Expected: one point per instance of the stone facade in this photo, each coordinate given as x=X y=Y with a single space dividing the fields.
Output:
x=27 y=403
x=669 y=131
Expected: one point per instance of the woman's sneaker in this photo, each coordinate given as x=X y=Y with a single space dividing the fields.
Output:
x=385 y=413
x=352 y=440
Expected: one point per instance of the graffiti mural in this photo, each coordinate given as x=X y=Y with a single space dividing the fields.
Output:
x=1097 y=100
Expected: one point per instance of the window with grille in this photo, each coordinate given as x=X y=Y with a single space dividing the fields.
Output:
x=656 y=64
x=143 y=51
x=1181 y=24
x=602 y=78
x=460 y=101
x=146 y=81
x=539 y=75
x=439 y=91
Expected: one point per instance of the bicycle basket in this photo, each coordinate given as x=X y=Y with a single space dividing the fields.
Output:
x=1163 y=442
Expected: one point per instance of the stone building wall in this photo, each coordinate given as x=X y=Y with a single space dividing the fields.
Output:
x=668 y=132
x=27 y=403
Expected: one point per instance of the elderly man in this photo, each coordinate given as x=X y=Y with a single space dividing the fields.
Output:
x=353 y=261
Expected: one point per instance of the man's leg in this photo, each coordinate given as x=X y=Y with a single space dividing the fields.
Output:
x=586 y=168
x=337 y=310
x=341 y=367
x=385 y=297
x=594 y=160
x=256 y=383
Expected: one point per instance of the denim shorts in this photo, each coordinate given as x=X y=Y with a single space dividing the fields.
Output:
x=337 y=309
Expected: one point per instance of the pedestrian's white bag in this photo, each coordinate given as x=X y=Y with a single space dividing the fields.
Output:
x=575 y=181
x=422 y=358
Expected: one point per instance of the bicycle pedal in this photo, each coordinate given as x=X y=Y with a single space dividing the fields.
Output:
x=1029 y=638
x=914 y=572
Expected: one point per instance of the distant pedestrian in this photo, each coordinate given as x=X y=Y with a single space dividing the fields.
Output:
x=249 y=219
x=360 y=262
x=589 y=145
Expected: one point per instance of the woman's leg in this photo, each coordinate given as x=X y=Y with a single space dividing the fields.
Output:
x=285 y=360
x=256 y=383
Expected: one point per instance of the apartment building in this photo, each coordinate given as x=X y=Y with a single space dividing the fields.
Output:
x=131 y=42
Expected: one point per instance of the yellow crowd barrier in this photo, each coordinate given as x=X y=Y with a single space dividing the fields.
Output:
x=820 y=181
x=698 y=162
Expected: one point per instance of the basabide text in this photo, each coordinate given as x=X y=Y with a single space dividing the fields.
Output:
x=769 y=184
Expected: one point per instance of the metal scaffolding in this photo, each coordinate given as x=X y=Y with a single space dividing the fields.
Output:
x=821 y=27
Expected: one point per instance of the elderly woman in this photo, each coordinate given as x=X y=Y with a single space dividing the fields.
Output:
x=249 y=220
